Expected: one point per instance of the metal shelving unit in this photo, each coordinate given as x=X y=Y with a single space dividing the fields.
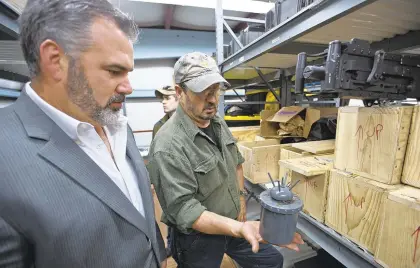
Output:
x=392 y=25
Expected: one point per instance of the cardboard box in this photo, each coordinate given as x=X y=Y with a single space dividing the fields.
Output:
x=261 y=158
x=245 y=133
x=399 y=242
x=313 y=114
x=355 y=207
x=411 y=169
x=270 y=120
x=371 y=142
x=313 y=176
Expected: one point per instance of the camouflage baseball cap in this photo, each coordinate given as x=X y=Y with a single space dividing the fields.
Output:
x=167 y=90
x=198 y=71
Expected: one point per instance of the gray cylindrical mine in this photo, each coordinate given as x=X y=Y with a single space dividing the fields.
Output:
x=278 y=219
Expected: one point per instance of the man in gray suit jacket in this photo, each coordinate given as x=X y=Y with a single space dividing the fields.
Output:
x=74 y=191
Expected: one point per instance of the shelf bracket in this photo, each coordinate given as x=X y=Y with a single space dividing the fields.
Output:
x=236 y=92
x=244 y=19
x=270 y=87
x=232 y=34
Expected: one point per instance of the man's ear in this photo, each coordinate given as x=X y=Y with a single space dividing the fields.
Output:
x=53 y=61
x=178 y=90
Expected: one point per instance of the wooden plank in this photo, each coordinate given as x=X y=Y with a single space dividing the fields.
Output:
x=354 y=207
x=411 y=170
x=399 y=242
x=313 y=176
x=245 y=133
x=289 y=152
x=316 y=147
x=261 y=158
x=371 y=142
x=259 y=138
x=309 y=166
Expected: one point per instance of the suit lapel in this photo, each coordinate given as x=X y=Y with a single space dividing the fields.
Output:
x=66 y=155
x=143 y=180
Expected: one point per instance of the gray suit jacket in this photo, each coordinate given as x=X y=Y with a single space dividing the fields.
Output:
x=59 y=209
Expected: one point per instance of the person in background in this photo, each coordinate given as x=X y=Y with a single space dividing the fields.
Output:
x=197 y=173
x=169 y=101
x=74 y=189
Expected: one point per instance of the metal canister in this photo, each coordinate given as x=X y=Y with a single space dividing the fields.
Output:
x=279 y=214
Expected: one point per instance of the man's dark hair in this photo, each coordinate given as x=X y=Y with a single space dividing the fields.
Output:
x=66 y=22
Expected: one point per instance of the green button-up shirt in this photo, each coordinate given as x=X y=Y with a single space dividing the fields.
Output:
x=191 y=174
x=159 y=124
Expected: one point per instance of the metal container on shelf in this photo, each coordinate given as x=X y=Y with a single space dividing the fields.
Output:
x=270 y=19
x=251 y=33
x=279 y=214
x=286 y=9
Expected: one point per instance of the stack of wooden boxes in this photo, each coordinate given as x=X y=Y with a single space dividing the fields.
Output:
x=399 y=232
x=308 y=164
x=368 y=195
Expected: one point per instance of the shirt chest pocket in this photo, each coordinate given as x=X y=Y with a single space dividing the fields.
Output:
x=208 y=176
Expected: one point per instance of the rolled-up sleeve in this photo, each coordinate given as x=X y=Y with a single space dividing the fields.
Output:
x=241 y=159
x=176 y=186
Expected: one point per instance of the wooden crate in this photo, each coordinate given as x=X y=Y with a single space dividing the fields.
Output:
x=371 y=142
x=316 y=147
x=261 y=157
x=313 y=176
x=259 y=138
x=399 y=236
x=411 y=170
x=288 y=152
x=245 y=133
x=354 y=207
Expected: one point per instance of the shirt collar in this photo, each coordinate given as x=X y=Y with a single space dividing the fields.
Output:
x=68 y=124
x=191 y=129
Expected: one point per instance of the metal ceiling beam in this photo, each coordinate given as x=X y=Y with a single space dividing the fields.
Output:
x=169 y=16
x=8 y=25
x=244 y=20
x=308 y=21
x=399 y=43
x=13 y=76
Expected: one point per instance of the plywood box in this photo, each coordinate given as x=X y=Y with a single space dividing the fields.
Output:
x=354 y=207
x=313 y=176
x=399 y=235
x=371 y=142
x=411 y=170
x=259 y=138
x=288 y=152
x=245 y=133
x=316 y=147
x=261 y=157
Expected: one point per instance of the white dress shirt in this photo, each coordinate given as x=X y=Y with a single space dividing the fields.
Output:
x=121 y=172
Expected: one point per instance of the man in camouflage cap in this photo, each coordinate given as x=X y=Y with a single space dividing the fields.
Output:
x=196 y=169
x=169 y=100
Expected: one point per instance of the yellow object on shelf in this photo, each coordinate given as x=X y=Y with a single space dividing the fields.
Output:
x=256 y=117
x=271 y=98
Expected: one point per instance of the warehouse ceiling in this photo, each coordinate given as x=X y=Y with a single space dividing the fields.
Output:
x=188 y=14
x=179 y=14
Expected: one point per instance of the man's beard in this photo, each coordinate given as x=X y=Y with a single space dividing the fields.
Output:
x=81 y=94
x=208 y=116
